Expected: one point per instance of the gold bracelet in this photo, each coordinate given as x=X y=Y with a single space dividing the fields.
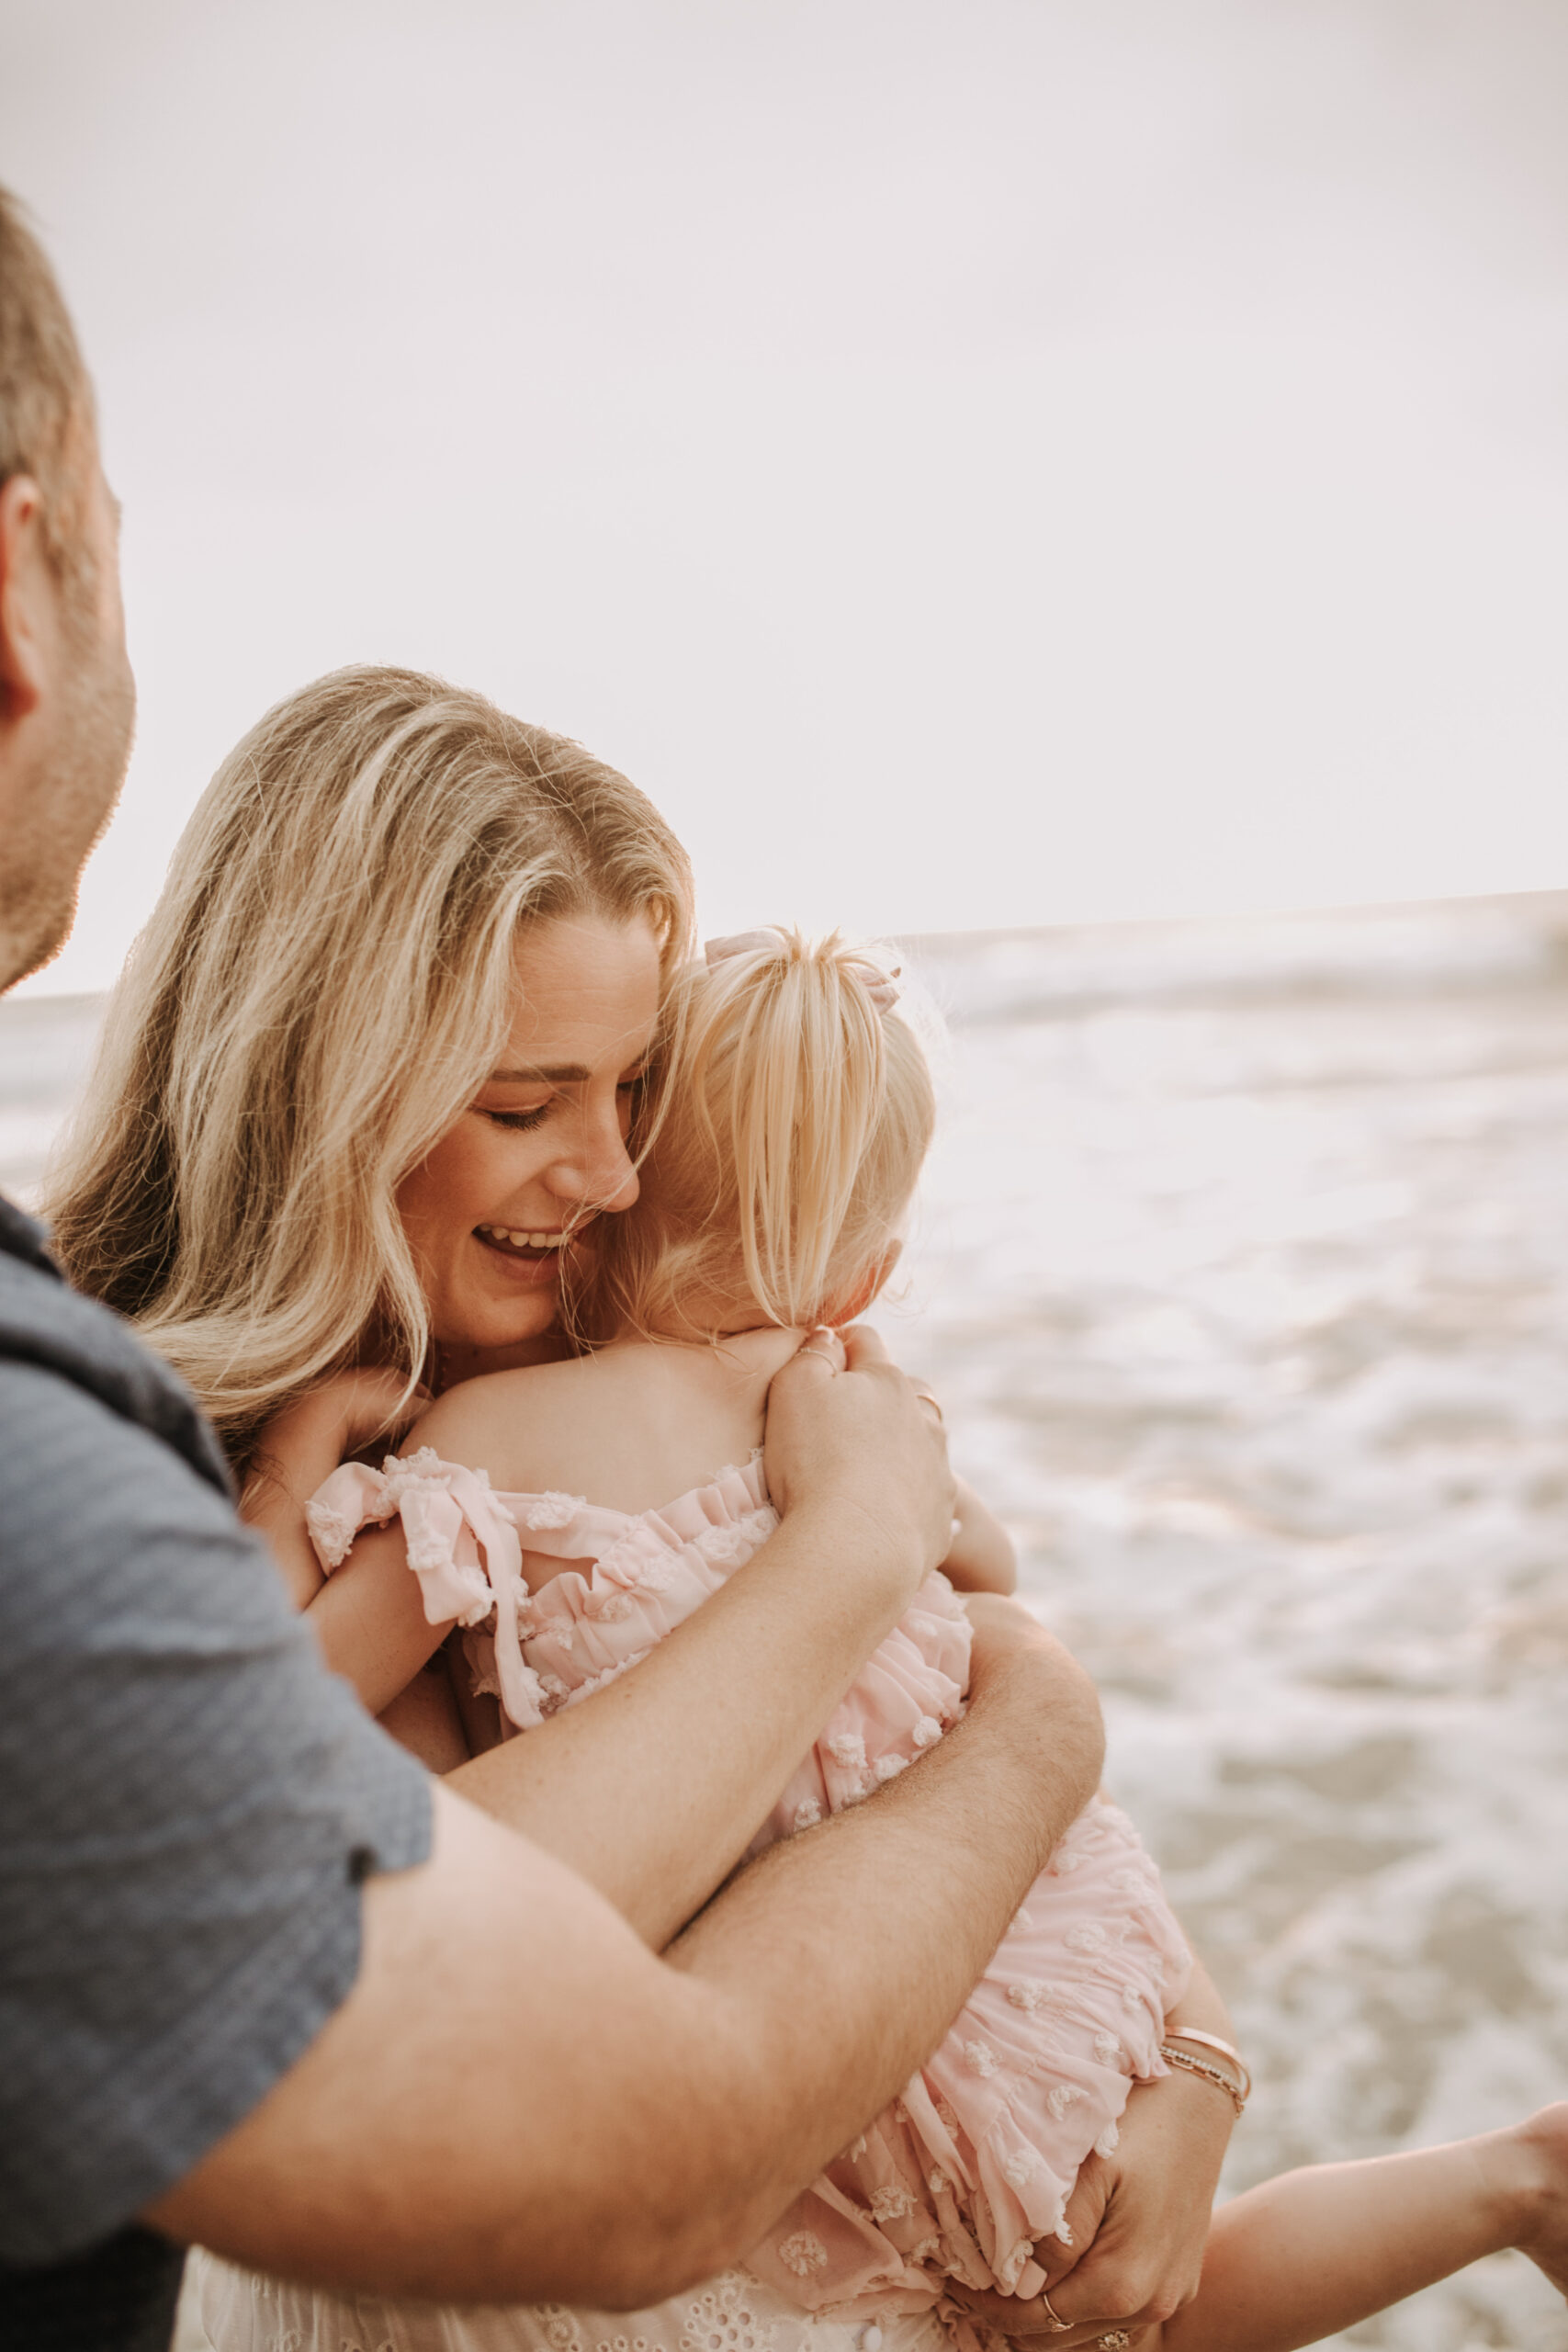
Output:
x=1210 y=2042
x=1190 y=2064
x=1225 y=2049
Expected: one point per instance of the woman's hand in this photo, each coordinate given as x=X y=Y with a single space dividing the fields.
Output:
x=1139 y=2219
x=855 y=1439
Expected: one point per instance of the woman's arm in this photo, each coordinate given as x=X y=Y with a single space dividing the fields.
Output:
x=654 y=1791
x=1142 y=2215
x=1139 y=2217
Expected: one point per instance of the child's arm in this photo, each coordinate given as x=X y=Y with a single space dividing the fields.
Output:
x=369 y=1618
x=303 y=1445
x=982 y=1558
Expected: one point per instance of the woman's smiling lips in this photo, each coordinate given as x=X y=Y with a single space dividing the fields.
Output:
x=532 y=1255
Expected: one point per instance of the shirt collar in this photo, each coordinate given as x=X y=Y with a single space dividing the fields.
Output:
x=23 y=1237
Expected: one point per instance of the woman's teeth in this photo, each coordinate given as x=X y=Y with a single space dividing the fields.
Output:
x=522 y=1240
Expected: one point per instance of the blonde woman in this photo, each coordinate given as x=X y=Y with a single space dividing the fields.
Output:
x=798 y=1118
x=362 y=1105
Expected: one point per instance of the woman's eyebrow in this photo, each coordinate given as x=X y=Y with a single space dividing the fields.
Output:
x=557 y=1073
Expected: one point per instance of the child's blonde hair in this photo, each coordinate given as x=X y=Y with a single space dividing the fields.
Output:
x=796 y=1110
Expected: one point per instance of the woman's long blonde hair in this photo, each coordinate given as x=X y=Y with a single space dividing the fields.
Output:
x=324 y=987
x=795 y=1116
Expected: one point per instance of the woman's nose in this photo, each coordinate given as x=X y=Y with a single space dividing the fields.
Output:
x=599 y=1174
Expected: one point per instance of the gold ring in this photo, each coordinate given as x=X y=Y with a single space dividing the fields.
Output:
x=925 y=1396
x=1117 y=2341
x=1058 y=2325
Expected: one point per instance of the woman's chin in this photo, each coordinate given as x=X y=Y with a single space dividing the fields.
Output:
x=496 y=1329
x=516 y=1326
x=467 y=1358
x=516 y=1356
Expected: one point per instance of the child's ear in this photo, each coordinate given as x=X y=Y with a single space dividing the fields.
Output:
x=872 y=1281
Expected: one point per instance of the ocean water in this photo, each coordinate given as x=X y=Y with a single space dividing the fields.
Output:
x=1242 y=1270
x=1243 y=1273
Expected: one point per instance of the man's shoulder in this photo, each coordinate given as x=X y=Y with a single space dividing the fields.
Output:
x=46 y=1324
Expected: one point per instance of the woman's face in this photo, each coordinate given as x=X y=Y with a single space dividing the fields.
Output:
x=542 y=1147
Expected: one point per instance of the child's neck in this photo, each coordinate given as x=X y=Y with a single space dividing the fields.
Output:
x=699 y=1330
x=705 y=1319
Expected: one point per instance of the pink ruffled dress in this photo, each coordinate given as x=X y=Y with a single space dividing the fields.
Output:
x=976 y=2159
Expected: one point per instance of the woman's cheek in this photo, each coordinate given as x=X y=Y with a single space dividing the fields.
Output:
x=488 y=1176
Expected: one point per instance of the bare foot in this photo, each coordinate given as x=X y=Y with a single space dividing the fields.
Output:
x=1542 y=2147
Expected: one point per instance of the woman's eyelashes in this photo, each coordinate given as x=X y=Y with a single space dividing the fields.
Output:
x=520 y=1122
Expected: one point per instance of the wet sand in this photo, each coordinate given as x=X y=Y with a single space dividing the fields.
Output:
x=1243 y=1273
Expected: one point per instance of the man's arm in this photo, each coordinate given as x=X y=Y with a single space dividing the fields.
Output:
x=517 y=2102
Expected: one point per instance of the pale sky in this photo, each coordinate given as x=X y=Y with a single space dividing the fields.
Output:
x=972 y=461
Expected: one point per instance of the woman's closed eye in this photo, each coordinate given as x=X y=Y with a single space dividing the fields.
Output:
x=519 y=1121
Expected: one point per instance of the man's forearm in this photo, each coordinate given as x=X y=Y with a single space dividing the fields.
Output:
x=516 y=2101
x=856 y=1944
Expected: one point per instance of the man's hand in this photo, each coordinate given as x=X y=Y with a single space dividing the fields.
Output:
x=1139 y=2220
x=855 y=1437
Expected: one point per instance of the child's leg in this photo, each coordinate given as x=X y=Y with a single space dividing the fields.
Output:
x=1304 y=2255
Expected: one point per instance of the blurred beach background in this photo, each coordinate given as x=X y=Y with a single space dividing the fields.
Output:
x=1050 y=482
x=1243 y=1275
x=1242 y=1270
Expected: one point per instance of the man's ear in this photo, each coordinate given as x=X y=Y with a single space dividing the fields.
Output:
x=29 y=598
x=874 y=1280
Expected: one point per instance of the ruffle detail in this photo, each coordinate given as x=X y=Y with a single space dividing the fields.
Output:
x=462 y=1545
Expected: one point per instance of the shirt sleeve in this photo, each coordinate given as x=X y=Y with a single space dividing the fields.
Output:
x=188 y=1803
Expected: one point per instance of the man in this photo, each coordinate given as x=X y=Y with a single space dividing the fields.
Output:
x=261 y=1983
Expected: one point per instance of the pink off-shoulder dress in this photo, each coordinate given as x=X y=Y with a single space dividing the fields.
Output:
x=977 y=2158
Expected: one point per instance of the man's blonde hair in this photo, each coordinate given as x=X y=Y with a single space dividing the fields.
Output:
x=324 y=987
x=795 y=1116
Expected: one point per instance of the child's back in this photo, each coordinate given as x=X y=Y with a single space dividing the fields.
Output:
x=631 y=1426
